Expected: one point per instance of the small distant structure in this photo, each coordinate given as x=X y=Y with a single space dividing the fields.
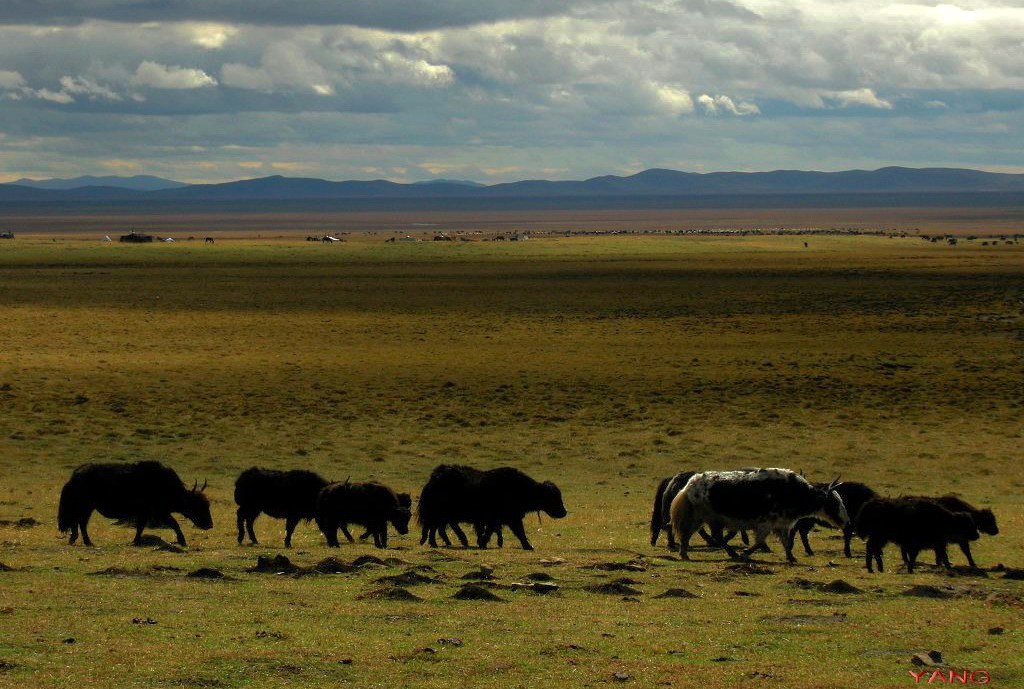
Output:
x=107 y=238
x=6 y=235
x=134 y=237
x=518 y=237
x=167 y=239
x=442 y=237
x=408 y=238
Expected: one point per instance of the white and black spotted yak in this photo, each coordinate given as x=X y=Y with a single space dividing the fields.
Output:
x=764 y=501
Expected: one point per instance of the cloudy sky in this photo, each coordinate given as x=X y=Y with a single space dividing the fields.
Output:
x=211 y=90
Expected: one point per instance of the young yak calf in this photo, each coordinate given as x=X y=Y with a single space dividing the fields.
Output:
x=371 y=505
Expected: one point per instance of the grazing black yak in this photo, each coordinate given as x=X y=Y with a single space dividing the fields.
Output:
x=854 y=496
x=144 y=492
x=915 y=524
x=446 y=500
x=371 y=505
x=984 y=520
x=489 y=500
x=289 y=495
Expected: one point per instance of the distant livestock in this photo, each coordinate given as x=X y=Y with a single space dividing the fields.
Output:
x=984 y=521
x=371 y=505
x=914 y=524
x=764 y=500
x=489 y=500
x=854 y=496
x=289 y=495
x=144 y=492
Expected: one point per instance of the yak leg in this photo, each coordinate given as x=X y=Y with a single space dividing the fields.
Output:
x=803 y=530
x=173 y=523
x=787 y=543
x=240 y=520
x=942 y=556
x=965 y=546
x=83 y=526
x=459 y=533
x=140 y=524
x=289 y=528
x=383 y=535
x=250 y=523
x=424 y=535
x=873 y=550
x=911 y=558
x=760 y=534
x=847 y=537
x=344 y=530
x=74 y=534
x=516 y=527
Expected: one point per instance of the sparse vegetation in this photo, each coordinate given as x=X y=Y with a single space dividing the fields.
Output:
x=603 y=363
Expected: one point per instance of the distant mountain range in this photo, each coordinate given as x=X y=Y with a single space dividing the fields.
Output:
x=889 y=181
x=137 y=182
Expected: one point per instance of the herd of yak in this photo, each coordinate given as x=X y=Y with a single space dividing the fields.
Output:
x=716 y=504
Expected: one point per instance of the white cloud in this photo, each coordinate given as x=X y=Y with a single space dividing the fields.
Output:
x=864 y=97
x=82 y=86
x=158 y=76
x=674 y=100
x=11 y=80
x=714 y=105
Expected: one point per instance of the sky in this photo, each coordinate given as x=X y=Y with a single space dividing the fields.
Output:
x=215 y=90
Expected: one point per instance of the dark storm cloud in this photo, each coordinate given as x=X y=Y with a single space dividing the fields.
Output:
x=401 y=15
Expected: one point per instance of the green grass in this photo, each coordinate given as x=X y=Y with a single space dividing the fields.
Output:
x=601 y=363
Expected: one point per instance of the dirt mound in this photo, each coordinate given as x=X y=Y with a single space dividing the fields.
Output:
x=834 y=586
x=677 y=593
x=23 y=523
x=278 y=564
x=6 y=568
x=539 y=576
x=390 y=593
x=206 y=573
x=409 y=577
x=617 y=588
x=332 y=565
x=926 y=591
x=475 y=592
x=637 y=564
x=368 y=560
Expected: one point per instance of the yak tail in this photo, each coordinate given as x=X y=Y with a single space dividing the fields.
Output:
x=657 y=522
x=66 y=510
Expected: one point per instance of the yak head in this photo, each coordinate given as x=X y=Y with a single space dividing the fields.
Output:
x=986 y=522
x=400 y=519
x=832 y=508
x=196 y=507
x=551 y=500
x=402 y=513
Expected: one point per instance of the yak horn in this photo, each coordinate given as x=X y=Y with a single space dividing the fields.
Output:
x=194 y=485
x=834 y=483
x=205 y=483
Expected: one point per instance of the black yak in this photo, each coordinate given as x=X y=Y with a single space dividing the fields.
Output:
x=915 y=524
x=854 y=496
x=765 y=500
x=144 y=492
x=984 y=521
x=489 y=500
x=371 y=505
x=289 y=495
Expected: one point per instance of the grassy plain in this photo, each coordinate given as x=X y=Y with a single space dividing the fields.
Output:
x=601 y=363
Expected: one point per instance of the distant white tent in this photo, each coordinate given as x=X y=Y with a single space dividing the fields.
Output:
x=167 y=239
x=107 y=238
